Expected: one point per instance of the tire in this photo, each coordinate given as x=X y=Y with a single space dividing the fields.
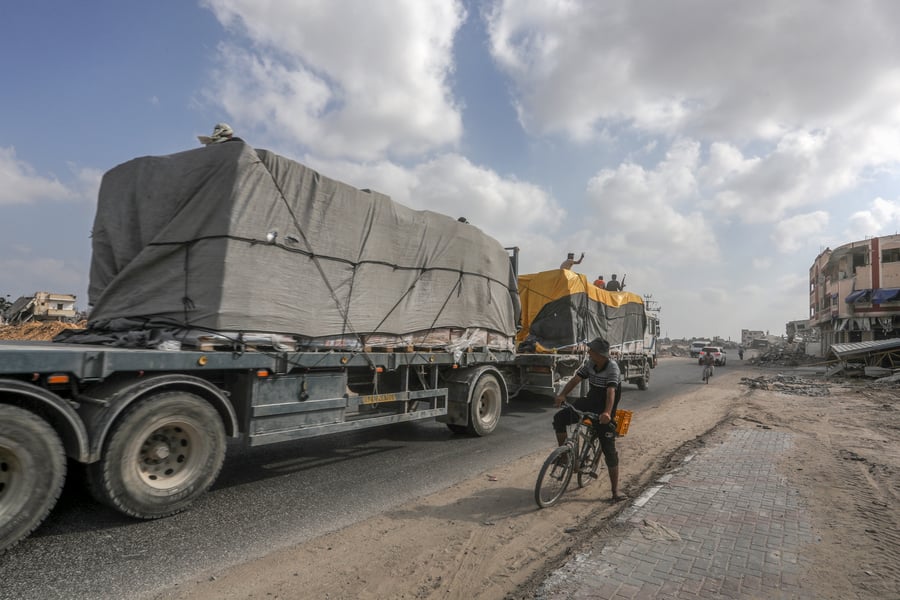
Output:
x=590 y=459
x=163 y=453
x=32 y=473
x=556 y=472
x=485 y=407
x=644 y=382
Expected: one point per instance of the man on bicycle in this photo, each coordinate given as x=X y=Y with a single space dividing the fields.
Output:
x=709 y=362
x=603 y=398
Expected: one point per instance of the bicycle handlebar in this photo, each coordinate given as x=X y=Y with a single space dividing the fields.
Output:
x=582 y=413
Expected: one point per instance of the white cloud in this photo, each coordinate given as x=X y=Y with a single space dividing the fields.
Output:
x=881 y=218
x=799 y=231
x=733 y=71
x=359 y=87
x=656 y=214
x=20 y=184
x=762 y=263
x=748 y=81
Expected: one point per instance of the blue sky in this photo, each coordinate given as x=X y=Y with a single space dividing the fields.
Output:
x=708 y=150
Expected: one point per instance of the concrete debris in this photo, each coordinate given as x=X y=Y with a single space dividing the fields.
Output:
x=890 y=380
x=788 y=384
x=37 y=330
x=877 y=372
x=786 y=355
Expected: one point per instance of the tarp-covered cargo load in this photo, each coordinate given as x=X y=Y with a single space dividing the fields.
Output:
x=228 y=238
x=561 y=309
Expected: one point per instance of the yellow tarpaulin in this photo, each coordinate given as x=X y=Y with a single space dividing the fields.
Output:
x=588 y=307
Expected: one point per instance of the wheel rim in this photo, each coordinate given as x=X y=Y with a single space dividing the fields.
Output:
x=12 y=493
x=489 y=406
x=170 y=454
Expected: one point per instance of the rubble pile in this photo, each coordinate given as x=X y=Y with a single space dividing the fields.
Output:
x=676 y=350
x=37 y=330
x=788 y=384
x=889 y=381
x=785 y=355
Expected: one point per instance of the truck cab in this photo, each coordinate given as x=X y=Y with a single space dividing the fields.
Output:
x=697 y=347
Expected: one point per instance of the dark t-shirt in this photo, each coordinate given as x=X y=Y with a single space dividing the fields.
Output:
x=600 y=380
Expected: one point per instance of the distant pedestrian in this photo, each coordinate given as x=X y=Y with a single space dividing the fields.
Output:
x=222 y=132
x=613 y=285
x=570 y=261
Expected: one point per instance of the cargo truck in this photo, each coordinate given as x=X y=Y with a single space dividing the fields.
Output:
x=561 y=312
x=237 y=293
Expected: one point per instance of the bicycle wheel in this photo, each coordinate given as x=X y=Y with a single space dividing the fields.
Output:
x=590 y=459
x=554 y=477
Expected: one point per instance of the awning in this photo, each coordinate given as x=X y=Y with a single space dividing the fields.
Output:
x=884 y=295
x=856 y=296
x=844 y=351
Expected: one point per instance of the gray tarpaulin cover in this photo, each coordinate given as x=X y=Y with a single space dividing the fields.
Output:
x=231 y=238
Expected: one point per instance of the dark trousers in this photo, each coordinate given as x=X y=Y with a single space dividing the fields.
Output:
x=594 y=402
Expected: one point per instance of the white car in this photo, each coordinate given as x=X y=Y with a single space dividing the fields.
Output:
x=718 y=355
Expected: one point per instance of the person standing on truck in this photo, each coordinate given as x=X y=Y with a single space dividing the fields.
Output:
x=603 y=398
x=599 y=282
x=613 y=285
x=222 y=132
x=570 y=261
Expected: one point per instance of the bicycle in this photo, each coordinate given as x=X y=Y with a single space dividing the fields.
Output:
x=580 y=454
x=707 y=373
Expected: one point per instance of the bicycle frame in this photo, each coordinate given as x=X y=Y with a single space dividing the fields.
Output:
x=581 y=447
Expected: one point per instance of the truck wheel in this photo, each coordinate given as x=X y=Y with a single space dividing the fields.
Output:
x=163 y=453
x=32 y=472
x=644 y=382
x=484 y=409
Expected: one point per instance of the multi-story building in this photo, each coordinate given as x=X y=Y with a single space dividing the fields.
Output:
x=800 y=330
x=749 y=335
x=43 y=306
x=854 y=291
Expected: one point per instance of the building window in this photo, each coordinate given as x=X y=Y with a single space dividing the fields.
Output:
x=890 y=255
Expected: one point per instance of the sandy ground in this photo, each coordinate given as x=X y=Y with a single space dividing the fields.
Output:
x=485 y=538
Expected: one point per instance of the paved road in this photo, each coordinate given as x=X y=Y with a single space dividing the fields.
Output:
x=271 y=497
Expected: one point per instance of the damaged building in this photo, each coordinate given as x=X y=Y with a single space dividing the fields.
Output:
x=42 y=306
x=854 y=292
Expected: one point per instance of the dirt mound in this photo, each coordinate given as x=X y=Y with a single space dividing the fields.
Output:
x=39 y=330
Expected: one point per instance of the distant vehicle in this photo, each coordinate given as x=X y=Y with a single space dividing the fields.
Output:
x=697 y=347
x=718 y=355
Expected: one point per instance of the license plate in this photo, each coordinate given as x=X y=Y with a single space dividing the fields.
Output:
x=379 y=398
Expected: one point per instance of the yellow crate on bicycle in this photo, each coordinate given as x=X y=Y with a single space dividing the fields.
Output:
x=623 y=420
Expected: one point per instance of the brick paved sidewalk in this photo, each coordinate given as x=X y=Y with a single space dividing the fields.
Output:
x=725 y=524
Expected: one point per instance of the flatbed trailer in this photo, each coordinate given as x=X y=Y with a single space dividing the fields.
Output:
x=151 y=425
x=547 y=374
